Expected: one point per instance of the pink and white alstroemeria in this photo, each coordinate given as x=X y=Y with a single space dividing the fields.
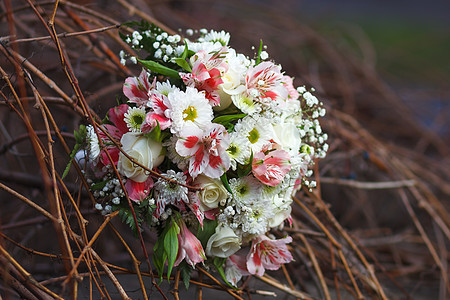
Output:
x=117 y=115
x=138 y=191
x=189 y=247
x=265 y=81
x=137 y=89
x=271 y=164
x=268 y=254
x=116 y=131
x=205 y=149
x=236 y=267
x=288 y=83
x=159 y=105
x=194 y=205
x=207 y=69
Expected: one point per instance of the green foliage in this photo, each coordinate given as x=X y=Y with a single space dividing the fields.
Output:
x=246 y=169
x=224 y=180
x=146 y=211
x=143 y=212
x=171 y=246
x=158 y=68
x=127 y=217
x=80 y=135
x=166 y=248
x=159 y=257
x=139 y=25
x=181 y=61
x=203 y=234
x=155 y=134
x=228 y=118
x=228 y=121
x=99 y=185
x=218 y=263
x=75 y=150
x=258 y=55
x=80 y=138
x=147 y=40
x=185 y=271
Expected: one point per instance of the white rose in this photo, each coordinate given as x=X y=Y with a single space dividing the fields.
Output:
x=212 y=192
x=143 y=150
x=223 y=243
x=288 y=136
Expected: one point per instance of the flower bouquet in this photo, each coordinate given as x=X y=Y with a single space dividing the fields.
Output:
x=208 y=149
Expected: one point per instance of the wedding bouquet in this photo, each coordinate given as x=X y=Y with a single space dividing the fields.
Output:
x=208 y=149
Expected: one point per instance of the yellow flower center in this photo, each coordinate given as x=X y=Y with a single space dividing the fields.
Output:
x=253 y=136
x=232 y=150
x=138 y=119
x=190 y=114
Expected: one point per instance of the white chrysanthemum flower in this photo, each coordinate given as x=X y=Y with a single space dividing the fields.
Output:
x=245 y=104
x=245 y=190
x=258 y=131
x=221 y=37
x=189 y=108
x=254 y=207
x=196 y=47
x=170 y=192
x=239 y=150
x=134 y=117
x=173 y=155
x=253 y=221
x=94 y=146
x=165 y=88
x=270 y=191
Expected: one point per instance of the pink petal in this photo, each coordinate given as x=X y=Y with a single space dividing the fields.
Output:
x=138 y=191
x=158 y=103
x=152 y=120
x=116 y=116
x=254 y=264
x=211 y=214
x=194 y=252
x=136 y=89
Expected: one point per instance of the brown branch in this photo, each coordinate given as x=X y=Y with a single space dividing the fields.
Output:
x=64 y=35
x=269 y=280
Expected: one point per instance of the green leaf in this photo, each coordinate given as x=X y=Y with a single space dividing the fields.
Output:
x=225 y=182
x=227 y=118
x=72 y=156
x=80 y=135
x=209 y=228
x=159 y=256
x=185 y=271
x=155 y=134
x=258 y=55
x=171 y=246
x=182 y=62
x=218 y=263
x=185 y=53
x=127 y=217
x=158 y=68
x=99 y=185
x=245 y=170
